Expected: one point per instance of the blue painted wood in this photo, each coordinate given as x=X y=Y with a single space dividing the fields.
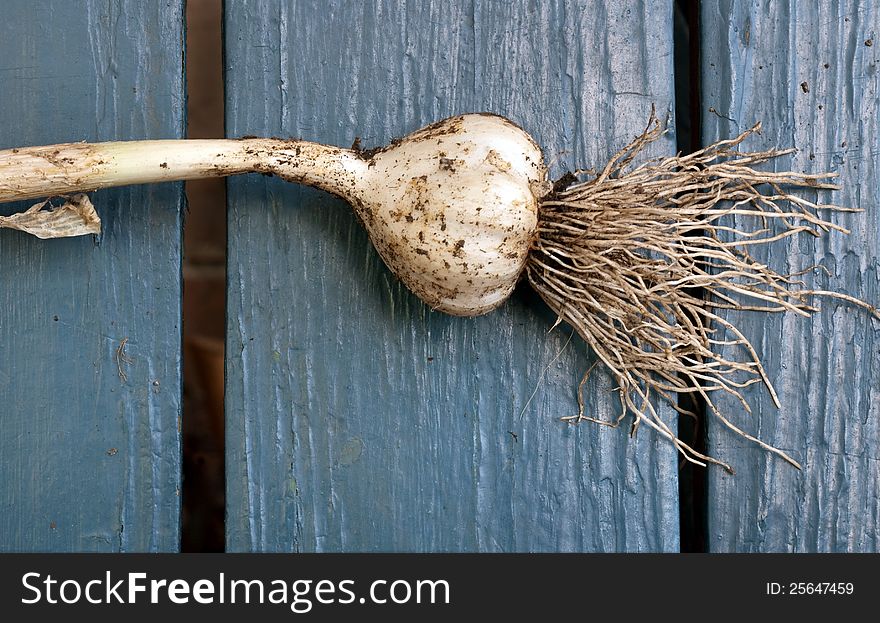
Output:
x=357 y=419
x=89 y=449
x=809 y=72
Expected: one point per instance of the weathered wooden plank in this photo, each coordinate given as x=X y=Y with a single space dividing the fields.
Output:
x=809 y=72
x=357 y=419
x=89 y=449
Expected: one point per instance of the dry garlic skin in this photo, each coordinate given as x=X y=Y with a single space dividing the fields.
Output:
x=452 y=210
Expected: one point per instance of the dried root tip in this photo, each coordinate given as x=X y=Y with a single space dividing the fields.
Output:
x=625 y=258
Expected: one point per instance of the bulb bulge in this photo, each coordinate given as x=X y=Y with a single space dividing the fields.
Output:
x=478 y=136
x=458 y=239
x=467 y=142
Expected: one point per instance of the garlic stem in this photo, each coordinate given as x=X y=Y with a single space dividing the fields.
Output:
x=35 y=172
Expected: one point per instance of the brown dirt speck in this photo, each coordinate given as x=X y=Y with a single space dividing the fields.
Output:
x=564 y=182
x=447 y=164
x=438 y=129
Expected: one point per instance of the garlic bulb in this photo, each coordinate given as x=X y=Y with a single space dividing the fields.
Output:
x=453 y=208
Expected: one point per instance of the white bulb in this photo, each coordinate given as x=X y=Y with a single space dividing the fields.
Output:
x=453 y=208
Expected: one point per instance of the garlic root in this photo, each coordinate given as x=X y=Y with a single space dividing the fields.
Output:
x=619 y=257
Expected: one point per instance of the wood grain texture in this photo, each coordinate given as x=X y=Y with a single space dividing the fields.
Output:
x=89 y=450
x=811 y=76
x=357 y=418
